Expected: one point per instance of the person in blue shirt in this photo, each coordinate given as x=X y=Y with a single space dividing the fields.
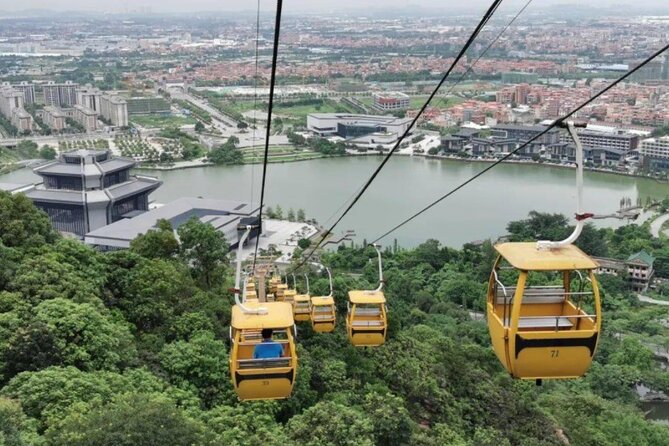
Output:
x=267 y=349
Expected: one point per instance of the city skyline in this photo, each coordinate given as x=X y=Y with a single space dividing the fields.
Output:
x=172 y=6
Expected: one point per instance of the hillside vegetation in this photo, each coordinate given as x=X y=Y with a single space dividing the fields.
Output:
x=130 y=348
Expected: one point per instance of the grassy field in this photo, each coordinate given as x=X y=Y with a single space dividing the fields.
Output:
x=277 y=154
x=161 y=121
x=301 y=111
x=285 y=108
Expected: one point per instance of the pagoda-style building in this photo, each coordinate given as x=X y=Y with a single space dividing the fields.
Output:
x=85 y=190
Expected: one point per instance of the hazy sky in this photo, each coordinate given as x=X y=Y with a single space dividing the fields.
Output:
x=289 y=5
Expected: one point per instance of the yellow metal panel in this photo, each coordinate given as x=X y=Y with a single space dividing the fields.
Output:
x=322 y=300
x=368 y=338
x=366 y=297
x=525 y=256
x=279 y=315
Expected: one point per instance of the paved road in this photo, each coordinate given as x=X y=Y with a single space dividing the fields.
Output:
x=44 y=139
x=204 y=105
x=650 y=300
x=656 y=225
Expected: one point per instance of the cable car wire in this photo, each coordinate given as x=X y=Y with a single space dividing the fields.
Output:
x=255 y=104
x=272 y=81
x=488 y=14
x=441 y=100
x=457 y=82
x=483 y=53
x=556 y=123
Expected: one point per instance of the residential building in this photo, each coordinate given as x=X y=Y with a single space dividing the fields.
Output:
x=114 y=109
x=87 y=189
x=226 y=216
x=22 y=120
x=61 y=94
x=391 y=101
x=655 y=153
x=11 y=106
x=55 y=118
x=10 y=100
x=637 y=269
x=28 y=90
x=609 y=266
x=522 y=91
x=89 y=97
x=640 y=270
x=358 y=129
x=86 y=117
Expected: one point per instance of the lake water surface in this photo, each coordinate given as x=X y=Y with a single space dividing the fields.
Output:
x=480 y=210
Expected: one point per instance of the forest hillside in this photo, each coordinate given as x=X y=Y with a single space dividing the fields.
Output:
x=130 y=348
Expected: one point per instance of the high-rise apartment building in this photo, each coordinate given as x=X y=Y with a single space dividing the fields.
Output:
x=55 y=118
x=27 y=88
x=11 y=107
x=87 y=117
x=114 y=109
x=89 y=97
x=60 y=95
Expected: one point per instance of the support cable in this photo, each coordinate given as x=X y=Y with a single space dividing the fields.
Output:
x=488 y=14
x=272 y=81
x=255 y=105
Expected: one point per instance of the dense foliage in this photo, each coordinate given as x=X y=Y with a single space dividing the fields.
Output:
x=129 y=348
x=227 y=153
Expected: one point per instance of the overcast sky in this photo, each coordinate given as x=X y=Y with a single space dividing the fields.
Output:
x=289 y=5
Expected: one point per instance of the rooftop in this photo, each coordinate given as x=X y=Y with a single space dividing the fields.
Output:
x=641 y=257
x=358 y=118
x=525 y=256
x=176 y=212
x=279 y=315
x=96 y=163
x=531 y=128
x=366 y=297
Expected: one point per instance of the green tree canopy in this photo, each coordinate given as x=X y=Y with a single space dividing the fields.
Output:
x=205 y=248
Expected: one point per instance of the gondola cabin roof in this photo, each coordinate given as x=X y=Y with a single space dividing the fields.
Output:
x=302 y=297
x=279 y=315
x=322 y=300
x=366 y=297
x=525 y=256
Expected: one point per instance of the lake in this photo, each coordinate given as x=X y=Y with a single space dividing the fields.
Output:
x=481 y=210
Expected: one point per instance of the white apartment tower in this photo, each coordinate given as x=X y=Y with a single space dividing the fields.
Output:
x=114 y=109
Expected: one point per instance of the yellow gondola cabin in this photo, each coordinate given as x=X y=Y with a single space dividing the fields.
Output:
x=302 y=304
x=323 y=311
x=543 y=332
x=260 y=379
x=366 y=318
